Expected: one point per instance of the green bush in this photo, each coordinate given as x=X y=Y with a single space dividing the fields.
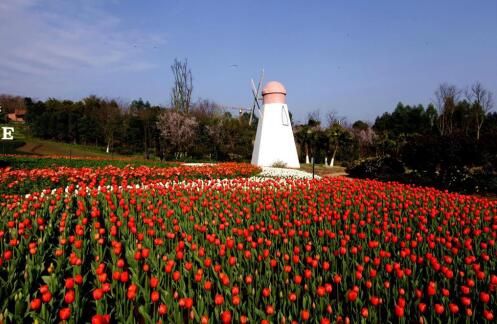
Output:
x=382 y=168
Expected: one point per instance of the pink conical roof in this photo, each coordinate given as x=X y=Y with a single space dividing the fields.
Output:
x=273 y=87
x=274 y=92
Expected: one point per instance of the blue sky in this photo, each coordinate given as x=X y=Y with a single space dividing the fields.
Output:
x=358 y=58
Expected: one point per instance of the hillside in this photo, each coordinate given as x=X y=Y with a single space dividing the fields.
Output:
x=23 y=143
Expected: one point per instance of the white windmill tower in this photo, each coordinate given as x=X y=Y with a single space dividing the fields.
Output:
x=274 y=142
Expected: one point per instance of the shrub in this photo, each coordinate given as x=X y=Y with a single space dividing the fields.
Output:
x=279 y=164
x=377 y=168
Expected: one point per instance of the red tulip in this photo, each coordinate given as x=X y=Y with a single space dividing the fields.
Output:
x=131 y=293
x=65 y=313
x=454 y=309
x=98 y=294
x=226 y=317
x=187 y=302
x=484 y=297
x=439 y=309
x=432 y=289
x=321 y=291
x=351 y=295
x=124 y=277
x=100 y=319
x=35 y=304
x=78 y=279
x=399 y=311
x=489 y=316
x=162 y=309
x=46 y=297
x=218 y=299
x=304 y=315
x=465 y=301
x=154 y=281
x=69 y=296
x=69 y=283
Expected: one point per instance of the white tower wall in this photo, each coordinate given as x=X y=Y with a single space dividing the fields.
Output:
x=274 y=141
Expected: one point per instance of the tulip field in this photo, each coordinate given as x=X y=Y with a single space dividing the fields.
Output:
x=213 y=244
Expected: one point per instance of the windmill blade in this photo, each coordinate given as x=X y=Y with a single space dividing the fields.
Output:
x=255 y=93
x=251 y=110
x=253 y=106
x=259 y=89
x=260 y=81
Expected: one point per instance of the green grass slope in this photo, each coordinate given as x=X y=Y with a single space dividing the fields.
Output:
x=23 y=143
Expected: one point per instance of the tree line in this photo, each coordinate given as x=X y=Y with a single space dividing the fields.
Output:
x=206 y=132
x=183 y=130
x=450 y=143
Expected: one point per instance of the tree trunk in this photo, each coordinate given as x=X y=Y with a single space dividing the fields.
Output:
x=146 y=142
x=478 y=129
x=332 y=162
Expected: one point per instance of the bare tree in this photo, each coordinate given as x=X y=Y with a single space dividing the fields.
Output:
x=482 y=103
x=314 y=118
x=446 y=97
x=205 y=108
x=332 y=118
x=178 y=129
x=12 y=104
x=181 y=93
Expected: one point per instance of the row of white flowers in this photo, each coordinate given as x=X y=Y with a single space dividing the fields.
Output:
x=270 y=172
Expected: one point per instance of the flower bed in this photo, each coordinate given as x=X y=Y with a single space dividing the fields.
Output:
x=243 y=250
x=23 y=181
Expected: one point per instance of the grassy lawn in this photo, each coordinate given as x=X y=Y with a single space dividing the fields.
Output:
x=24 y=144
x=44 y=147
x=36 y=146
x=322 y=171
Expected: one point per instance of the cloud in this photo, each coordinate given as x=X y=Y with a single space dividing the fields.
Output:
x=53 y=37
